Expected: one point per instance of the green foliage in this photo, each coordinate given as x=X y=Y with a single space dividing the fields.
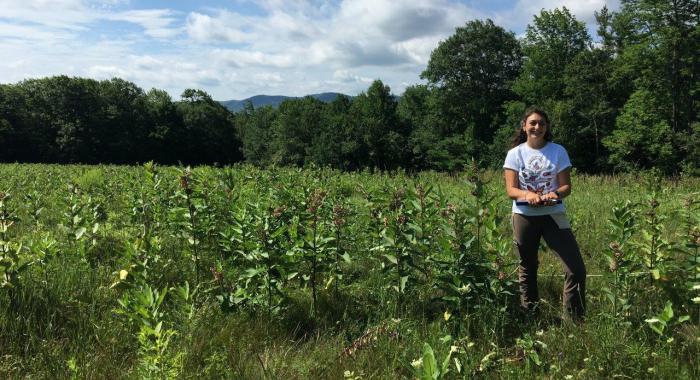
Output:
x=530 y=350
x=654 y=250
x=641 y=139
x=143 y=307
x=588 y=114
x=339 y=219
x=478 y=62
x=690 y=144
x=661 y=322
x=395 y=247
x=381 y=142
x=267 y=240
x=621 y=258
x=63 y=119
x=428 y=368
x=14 y=258
x=316 y=241
x=82 y=221
x=257 y=251
x=207 y=134
x=659 y=42
x=96 y=262
x=296 y=126
x=90 y=180
x=332 y=143
x=551 y=43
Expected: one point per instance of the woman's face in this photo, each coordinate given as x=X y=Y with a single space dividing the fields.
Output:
x=535 y=127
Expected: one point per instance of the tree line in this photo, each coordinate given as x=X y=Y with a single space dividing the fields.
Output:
x=78 y=120
x=628 y=100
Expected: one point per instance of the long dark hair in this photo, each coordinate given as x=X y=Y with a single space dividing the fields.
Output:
x=520 y=137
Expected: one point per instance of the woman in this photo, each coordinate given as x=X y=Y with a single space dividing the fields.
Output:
x=537 y=174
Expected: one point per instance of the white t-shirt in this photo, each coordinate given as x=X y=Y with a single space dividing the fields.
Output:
x=537 y=171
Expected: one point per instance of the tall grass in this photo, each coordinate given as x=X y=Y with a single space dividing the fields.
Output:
x=354 y=281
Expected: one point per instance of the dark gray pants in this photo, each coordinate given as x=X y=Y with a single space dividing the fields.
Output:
x=527 y=231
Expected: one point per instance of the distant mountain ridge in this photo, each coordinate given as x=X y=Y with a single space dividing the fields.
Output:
x=275 y=100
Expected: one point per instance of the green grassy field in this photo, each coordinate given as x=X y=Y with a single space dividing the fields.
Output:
x=162 y=272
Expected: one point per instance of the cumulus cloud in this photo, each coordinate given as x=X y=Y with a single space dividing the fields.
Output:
x=169 y=73
x=205 y=28
x=245 y=47
x=351 y=33
x=382 y=33
x=271 y=29
x=401 y=21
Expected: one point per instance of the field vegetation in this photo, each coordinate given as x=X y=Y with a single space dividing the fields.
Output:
x=240 y=272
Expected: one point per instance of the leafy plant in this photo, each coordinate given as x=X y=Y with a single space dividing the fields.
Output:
x=690 y=246
x=190 y=218
x=144 y=308
x=340 y=215
x=653 y=248
x=427 y=367
x=664 y=320
x=620 y=255
x=396 y=247
x=14 y=258
x=266 y=266
x=316 y=242
x=530 y=349
x=35 y=202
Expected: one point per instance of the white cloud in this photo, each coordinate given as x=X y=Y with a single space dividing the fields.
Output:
x=104 y=72
x=401 y=20
x=345 y=76
x=268 y=77
x=419 y=49
x=169 y=73
x=204 y=28
x=243 y=58
x=354 y=33
x=61 y=14
x=146 y=62
x=41 y=17
x=156 y=22
x=380 y=32
x=290 y=47
x=24 y=32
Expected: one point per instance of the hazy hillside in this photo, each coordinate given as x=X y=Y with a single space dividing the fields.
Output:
x=273 y=100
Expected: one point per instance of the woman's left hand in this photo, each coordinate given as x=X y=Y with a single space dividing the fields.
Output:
x=549 y=198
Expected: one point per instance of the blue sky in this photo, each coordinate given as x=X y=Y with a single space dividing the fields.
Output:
x=234 y=49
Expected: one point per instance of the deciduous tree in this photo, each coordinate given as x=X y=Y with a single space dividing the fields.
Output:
x=471 y=73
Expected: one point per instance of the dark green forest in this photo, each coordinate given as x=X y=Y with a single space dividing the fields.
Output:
x=627 y=99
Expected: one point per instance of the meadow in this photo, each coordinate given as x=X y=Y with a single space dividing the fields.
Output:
x=239 y=272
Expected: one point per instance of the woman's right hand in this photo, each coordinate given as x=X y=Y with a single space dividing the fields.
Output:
x=533 y=199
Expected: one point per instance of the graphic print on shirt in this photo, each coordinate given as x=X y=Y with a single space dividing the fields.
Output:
x=537 y=175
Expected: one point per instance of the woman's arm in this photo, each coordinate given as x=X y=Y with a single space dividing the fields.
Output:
x=564 y=189
x=516 y=193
